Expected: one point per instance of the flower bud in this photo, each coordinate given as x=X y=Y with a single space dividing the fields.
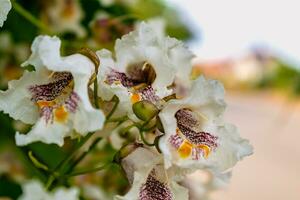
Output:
x=125 y=151
x=145 y=110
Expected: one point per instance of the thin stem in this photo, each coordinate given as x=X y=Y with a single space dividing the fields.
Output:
x=50 y=181
x=84 y=154
x=86 y=171
x=96 y=93
x=116 y=99
x=32 y=19
x=60 y=167
x=144 y=139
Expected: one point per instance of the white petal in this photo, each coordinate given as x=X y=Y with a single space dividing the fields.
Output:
x=66 y=194
x=106 y=64
x=33 y=190
x=5 y=6
x=180 y=58
x=179 y=192
x=140 y=161
x=51 y=133
x=145 y=45
x=16 y=101
x=232 y=148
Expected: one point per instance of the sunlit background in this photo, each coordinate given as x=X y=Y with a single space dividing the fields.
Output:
x=252 y=46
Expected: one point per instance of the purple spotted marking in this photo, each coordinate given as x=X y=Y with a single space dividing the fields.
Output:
x=47 y=114
x=154 y=189
x=147 y=93
x=197 y=153
x=50 y=91
x=114 y=76
x=72 y=102
x=186 y=118
x=176 y=140
x=198 y=138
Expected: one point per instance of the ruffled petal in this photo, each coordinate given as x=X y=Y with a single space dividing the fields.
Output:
x=33 y=190
x=5 y=6
x=42 y=131
x=16 y=101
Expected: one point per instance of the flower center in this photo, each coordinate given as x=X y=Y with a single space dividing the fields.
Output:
x=189 y=139
x=154 y=189
x=56 y=98
x=138 y=79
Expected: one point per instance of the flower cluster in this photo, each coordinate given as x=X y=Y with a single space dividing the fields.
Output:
x=142 y=95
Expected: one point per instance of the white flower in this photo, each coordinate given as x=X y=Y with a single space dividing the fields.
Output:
x=202 y=184
x=65 y=16
x=149 y=179
x=147 y=65
x=195 y=137
x=94 y=192
x=5 y=6
x=54 y=97
x=33 y=190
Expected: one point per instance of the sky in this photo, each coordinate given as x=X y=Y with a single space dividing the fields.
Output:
x=230 y=27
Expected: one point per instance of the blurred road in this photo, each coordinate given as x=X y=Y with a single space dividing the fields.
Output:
x=273 y=127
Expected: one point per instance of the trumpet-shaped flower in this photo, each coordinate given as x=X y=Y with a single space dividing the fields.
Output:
x=65 y=16
x=148 y=178
x=5 y=6
x=54 y=97
x=195 y=137
x=33 y=190
x=147 y=65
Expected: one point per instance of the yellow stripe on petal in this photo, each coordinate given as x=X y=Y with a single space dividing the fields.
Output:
x=185 y=150
x=206 y=150
x=42 y=104
x=61 y=115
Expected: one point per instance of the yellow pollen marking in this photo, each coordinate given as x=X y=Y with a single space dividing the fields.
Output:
x=185 y=150
x=42 y=104
x=61 y=114
x=135 y=98
x=205 y=149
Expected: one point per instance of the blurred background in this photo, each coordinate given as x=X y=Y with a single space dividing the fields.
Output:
x=250 y=45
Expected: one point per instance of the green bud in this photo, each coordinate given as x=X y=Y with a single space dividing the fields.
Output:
x=125 y=151
x=145 y=110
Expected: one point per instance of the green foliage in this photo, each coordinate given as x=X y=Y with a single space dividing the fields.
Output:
x=9 y=188
x=285 y=77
